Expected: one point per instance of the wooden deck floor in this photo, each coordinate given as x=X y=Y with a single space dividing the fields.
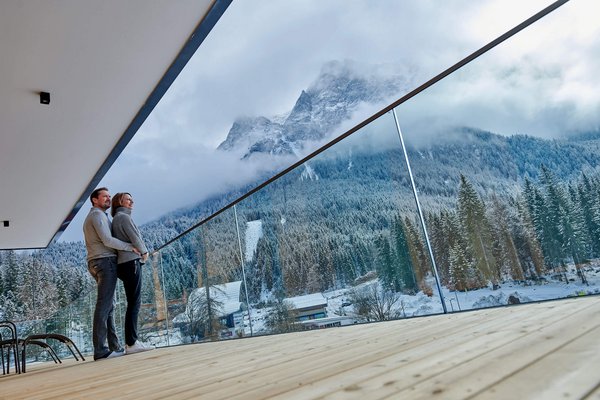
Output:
x=547 y=350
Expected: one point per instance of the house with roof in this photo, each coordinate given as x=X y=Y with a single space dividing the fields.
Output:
x=227 y=305
x=311 y=312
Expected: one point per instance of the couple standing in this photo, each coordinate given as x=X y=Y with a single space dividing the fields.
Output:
x=114 y=250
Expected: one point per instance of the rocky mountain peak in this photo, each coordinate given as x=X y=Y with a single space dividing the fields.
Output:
x=340 y=88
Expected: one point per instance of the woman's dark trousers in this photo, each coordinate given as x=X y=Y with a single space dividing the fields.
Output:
x=130 y=273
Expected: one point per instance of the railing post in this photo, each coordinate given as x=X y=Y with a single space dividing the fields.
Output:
x=421 y=219
x=237 y=227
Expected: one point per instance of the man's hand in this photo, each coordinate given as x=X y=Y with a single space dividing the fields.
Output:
x=144 y=257
x=136 y=251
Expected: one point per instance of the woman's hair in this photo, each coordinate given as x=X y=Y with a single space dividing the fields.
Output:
x=117 y=201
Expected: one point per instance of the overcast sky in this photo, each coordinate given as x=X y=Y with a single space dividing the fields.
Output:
x=263 y=53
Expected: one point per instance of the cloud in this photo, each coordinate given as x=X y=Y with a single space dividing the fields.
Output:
x=541 y=82
x=262 y=54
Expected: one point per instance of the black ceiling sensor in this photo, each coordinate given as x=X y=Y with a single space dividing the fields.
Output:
x=44 y=97
x=6 y=223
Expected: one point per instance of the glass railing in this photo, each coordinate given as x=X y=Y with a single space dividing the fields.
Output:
x=453 y=198
x=335 y=241
x=494 y=213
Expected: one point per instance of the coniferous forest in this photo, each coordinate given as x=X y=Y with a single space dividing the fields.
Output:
x=497 y=209
x=519 y=215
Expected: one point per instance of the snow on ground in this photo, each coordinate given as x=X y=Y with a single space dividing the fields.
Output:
x=339 y=302
x=253 y=233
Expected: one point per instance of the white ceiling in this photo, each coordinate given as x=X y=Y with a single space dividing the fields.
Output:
x=100 y=61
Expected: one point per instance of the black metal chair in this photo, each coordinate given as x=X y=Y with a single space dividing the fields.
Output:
x=37 y=340
x=11 y=343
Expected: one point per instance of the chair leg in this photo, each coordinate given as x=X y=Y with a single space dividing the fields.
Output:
x=2 y=356
x=70 y=345
x=8 y=362
x=45 y=346
x=14 y=343
x=23 y=348
x=16 y=354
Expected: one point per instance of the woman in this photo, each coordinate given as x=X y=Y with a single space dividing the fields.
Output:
x=129 y=269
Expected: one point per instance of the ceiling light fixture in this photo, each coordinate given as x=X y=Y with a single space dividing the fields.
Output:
x=44 y=97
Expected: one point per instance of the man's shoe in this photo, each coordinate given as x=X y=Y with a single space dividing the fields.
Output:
x=137 y=347
x=112 y=354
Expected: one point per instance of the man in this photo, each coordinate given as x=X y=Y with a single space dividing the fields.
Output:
x=102 y=264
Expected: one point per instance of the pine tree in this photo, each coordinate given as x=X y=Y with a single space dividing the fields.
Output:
x=545 y=221
x=386 y=267
x=590 y=210
x=529 y=250
x=565 y=221
x=462 y=273
x=551 y=209
x=343 y=267
x=507 y=251
x=460 y=268
x=438 y=236
x=579 y=244
x=62 y=287
x=11 y=272
x=405 y=269
x=37 y=293
x=324 y=264
x=419 y=256
x=282 y=318
x=11 y=306
x=472 y=214
x=268 y=261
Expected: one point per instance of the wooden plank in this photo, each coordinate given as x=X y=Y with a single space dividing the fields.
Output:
x=282 y=379
x=406 y=367
x=569 y=372
x=490 y=367
x=307 y=367
x=179 y=360
x=307 y=348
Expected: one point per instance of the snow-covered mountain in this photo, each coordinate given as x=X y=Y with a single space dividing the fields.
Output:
x=338 y=92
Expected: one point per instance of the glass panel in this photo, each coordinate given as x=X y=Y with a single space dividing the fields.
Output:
x=73 y=321
x=48 y=291
x=504 y=154
x=176 y=270
x=336 y=235
x=205 y=284
x=152 y=326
